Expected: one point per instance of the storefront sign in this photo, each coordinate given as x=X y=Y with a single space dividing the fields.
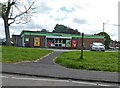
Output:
x=36 y=41
x=60 y=37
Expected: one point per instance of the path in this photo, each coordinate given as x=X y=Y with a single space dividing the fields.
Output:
x=49 y=59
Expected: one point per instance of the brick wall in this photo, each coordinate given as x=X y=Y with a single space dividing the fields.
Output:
x=30 y=43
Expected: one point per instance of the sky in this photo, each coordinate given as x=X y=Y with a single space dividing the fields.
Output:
x=87 y=16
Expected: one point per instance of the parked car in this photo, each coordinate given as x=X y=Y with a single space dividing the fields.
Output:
x=112 y=48
x=97 y=46
x=4 y=43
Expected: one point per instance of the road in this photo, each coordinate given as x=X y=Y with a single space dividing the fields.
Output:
x=22 y=80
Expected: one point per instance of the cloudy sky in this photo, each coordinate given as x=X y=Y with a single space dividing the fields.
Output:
x=85 y=15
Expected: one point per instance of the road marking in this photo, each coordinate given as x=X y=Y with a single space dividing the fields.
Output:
x=91 y=83
x=104 y=85
x=4 y=77
x=55 y=80
x=88 y=83
x=84 y=83
x=40 y=79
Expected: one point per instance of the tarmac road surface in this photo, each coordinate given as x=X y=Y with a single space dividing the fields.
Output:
x=21 y=80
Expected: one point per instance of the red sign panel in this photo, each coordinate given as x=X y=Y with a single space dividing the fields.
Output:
x=73 y=43
x=49 y=43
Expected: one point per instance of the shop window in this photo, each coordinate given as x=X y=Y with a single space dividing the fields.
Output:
x=56 y=41
x=26 y=39
x=60 y=45
x=68 y=43
x=50 y=42
x=59 y=40
x=64 y=41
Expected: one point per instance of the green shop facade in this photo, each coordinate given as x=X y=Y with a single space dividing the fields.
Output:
x=54 y=40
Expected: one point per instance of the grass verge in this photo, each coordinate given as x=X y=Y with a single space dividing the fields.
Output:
x=0 y=53
x=98 y=61
x=15 y=54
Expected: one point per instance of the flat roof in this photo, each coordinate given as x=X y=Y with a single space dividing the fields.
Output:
x=35 y=33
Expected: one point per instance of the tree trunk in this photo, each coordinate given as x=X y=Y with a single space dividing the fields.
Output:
x=7 y=32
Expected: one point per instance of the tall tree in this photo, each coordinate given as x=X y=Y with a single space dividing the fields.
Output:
x=13 y=11
x=64 y=29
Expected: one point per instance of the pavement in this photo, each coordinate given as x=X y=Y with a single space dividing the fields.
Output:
x=48 y=68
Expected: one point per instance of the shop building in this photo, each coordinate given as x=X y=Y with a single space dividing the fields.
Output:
x=54 y=40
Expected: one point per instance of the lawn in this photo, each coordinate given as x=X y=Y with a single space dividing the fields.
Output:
x=0 y=54
x=15 y=54
x=98 y=61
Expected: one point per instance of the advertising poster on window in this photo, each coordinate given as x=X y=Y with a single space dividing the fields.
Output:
x=68 y=43
x=49 y=43
x=36 y=41
x=73 y=43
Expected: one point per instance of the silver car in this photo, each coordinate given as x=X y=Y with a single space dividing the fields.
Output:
x=97 y=46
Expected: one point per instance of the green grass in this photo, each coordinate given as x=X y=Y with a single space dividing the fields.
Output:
x=0 y=53
x=98 y=61
x=15 y=54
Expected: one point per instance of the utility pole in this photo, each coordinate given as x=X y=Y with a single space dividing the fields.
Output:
x=103 y=27
x=81 y=57
x=103 y=31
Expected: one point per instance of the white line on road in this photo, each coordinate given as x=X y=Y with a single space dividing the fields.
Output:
x=104 y=85
x=41 y=79
x=88 y=83
x=91 y=83
x=4 y=77
x=84 y=82
x=55 y=80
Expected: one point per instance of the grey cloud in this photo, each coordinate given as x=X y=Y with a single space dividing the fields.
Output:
x=59 y=19
x=43 y=8
x=67 y=10
x=79 y=21
x=29 y=25
x=32 y=26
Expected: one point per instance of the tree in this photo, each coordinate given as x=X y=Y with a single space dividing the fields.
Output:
x=44 y=30
x=107 y=39
x=9 y=16
x=64 y=29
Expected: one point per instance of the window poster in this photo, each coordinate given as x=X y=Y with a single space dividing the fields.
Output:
x=26 y=39
x=68 y=43
x=36 y=41
x=73 y=43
